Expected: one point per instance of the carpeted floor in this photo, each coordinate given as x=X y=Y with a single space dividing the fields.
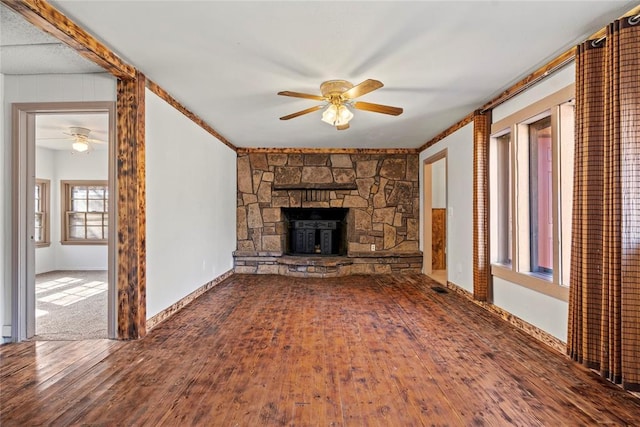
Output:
x=71 y=305
x=439 y=276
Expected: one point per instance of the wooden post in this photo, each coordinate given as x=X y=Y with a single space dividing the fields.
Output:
x=130 y=184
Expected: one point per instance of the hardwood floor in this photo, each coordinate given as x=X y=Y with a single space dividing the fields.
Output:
x=271 y=350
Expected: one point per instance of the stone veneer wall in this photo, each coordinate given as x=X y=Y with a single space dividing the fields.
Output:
x=381 y=190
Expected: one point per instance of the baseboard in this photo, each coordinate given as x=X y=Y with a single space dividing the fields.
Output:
x=179 y=305
x=526 y=327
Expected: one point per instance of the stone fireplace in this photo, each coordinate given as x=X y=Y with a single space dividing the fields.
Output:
x=316 y=214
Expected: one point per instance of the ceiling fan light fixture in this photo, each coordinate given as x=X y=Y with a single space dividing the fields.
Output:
x=344 y=115
x=330 y=115
x=337 y=115
x=338 y=95
x=80 y=146
x=79 y=132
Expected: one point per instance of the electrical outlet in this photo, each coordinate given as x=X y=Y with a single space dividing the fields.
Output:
x=373 y=247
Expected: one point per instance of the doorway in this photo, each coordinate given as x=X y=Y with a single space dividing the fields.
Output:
x=435 y=217
x=64 y=237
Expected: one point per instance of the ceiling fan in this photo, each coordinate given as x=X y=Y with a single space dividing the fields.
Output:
x=81 y=140
x=81 y=143
x=337 y=96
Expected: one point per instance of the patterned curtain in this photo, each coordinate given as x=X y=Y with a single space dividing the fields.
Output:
x=604 y=300
x=481 y=269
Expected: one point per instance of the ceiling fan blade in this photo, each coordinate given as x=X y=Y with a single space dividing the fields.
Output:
x=302 y=95
x=378 y=108
x=343 y=127
x=363 y=88
x=300 y=113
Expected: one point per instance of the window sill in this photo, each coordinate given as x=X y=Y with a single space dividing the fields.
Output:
x=84 y=242
x=531 y=281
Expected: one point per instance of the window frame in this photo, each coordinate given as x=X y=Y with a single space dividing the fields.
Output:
x=534 y=202
x=517 y=125
x=45 y=209
x=65 y=192
x=501 y=210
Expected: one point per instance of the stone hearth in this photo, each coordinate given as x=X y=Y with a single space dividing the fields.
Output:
x=380 y=192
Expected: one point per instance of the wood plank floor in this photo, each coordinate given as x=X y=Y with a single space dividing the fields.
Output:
x=270 y=350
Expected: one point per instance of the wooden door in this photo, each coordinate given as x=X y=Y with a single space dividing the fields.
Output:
x=439 y=239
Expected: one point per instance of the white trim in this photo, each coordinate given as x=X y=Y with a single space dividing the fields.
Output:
x=22 y=245
x=531 y=112
x=530 y=281
x=427 y=222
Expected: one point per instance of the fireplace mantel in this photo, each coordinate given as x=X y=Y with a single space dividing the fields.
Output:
x=308 y=186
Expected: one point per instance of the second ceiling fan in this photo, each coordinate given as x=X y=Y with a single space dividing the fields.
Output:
x=337 y=95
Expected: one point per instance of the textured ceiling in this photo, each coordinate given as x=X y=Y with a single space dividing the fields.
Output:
x=226 y=61
x=27 y=50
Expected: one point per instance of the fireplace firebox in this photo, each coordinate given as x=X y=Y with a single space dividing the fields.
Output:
x=315 y=231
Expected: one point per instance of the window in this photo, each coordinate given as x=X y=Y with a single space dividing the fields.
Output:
x=540 y=197
x=85 y=212
x=503 y=204
x=531 y=184
x=41 y=208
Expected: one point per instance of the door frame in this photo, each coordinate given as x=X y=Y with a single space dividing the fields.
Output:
x=23 y=178
x=427 y=223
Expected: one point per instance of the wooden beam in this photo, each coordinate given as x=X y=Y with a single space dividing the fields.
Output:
x=328 y=150
x=442 y=135
x=47 y=18
x=533 y=78
x=153 y=87
x=130 y=184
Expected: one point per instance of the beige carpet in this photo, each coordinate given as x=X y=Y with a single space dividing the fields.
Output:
x=71 y=305
x=439 y=276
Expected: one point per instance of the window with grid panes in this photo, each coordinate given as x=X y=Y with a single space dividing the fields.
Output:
x=85 y=215
x=41 y=208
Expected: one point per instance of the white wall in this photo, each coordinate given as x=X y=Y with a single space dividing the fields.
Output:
x=459 y=203
x=543 y=311
x=191 y=205
x=92 y=166
x=5 y=227
x=439 y=184
x=547 y=313
x=35 y=88
x=191 y=191
x=57 y=166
